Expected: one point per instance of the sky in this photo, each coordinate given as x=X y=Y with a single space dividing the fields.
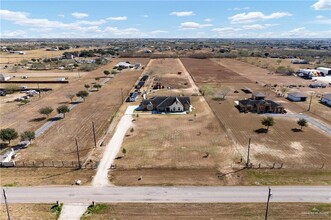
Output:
x=165 y=19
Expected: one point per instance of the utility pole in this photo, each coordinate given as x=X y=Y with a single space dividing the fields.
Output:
x=122 y=95
x=79 y=165
x=5 y=197
x=39 y=90
x=311 y=97
x=267 y=208
x=94 y=136
x=249 y=147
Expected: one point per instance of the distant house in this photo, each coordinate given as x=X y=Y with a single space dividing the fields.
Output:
x=166 y=104
x=4 y=77
x=260 y=106
x=297 y=97
x=297 y=61
x=124 y=65
x=258 y=96
x=326 y=99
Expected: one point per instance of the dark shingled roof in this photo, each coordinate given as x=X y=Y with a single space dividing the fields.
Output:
x=258 y=102
x=327 y=96
x=165 y=101
x=297 y=95
x=258 y=94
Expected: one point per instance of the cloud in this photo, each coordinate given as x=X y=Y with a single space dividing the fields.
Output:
x=99 y=22
x=256 y=16
x=258 y=26
x=321 y=20
x=13 y=34
x=193 y=25
x=240 y=9
x=145 y=16
x=120 y=18
x=226 y=29
x=60 y=15
x=322 y=5
x=158 y=32
x=208 y=20
x=182 y=13
x=79 y=15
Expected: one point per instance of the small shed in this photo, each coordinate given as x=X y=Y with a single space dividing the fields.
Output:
x=326 y=99
x=4 y=77
x=247 y=90
x=297 y=97
x=258 y=96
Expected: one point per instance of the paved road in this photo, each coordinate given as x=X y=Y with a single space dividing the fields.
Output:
x=87 y=194
x=112 y=148
x=315 y=123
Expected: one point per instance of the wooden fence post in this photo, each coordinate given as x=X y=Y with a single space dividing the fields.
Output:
x=52 y=163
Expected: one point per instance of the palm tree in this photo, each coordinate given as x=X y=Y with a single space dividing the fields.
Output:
x=268 y=121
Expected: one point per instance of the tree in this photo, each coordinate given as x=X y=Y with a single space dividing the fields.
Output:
x=266 y=54
x=114 y=72
x=28 y=136
x=97 y=86
x=87 y=86
x=303 y=123
x=124 y=151
x=106 y=72
x=268 y=121
x=46 y=111
x=8 y=134
x=82 y=94
x=222 y=93
x=97 y=78
x=63 y=109
x=70 y=96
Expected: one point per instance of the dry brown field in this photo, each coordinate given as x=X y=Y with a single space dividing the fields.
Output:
x=10 y=58
x=172 y=149
x=12 y=177
x=28 y=211
x=99 y=107
x=207 y=71
x=273 y=62
x=188 y=211
x=257 y=74
x=280 y=144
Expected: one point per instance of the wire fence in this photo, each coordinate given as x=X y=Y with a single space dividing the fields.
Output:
x=50 y=163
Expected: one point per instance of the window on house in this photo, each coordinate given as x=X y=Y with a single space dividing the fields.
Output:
x=178 y=108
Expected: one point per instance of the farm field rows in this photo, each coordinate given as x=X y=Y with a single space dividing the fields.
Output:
x=207 y=71
x=98 y=108
x=281 y=144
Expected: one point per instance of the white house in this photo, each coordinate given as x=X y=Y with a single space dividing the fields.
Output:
x=297 y=97
x=124 y=65
x=4 y=77
x=326 y=99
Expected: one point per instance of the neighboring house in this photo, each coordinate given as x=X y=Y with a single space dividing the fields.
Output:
x=4 y=77
x=124 y=65
x=326 y=99
x=260 y=106
x=297 y=97
x=258 y=96
x=166 y=104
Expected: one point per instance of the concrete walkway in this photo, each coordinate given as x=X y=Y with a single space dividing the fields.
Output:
x=112 y=148
x=310 y=120
x=73 y=211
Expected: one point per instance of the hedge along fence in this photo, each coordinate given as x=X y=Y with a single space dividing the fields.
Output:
x=55 y=164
